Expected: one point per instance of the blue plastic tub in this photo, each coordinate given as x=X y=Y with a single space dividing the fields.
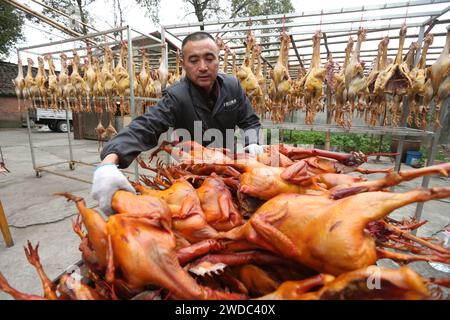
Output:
x=412 y=157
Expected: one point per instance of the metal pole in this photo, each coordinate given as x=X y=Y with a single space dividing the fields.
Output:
x=33 y=160
x=30 y=140
x=66 y=16
x=146 y=35
x=91 y=35
x=432 y=156
x=420 y=41
x=132 y=101
x=398 y=158
x=164 y=54
x=71 y=165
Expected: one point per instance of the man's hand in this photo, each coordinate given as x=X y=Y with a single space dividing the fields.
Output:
x=254 y=149
x=107 y=180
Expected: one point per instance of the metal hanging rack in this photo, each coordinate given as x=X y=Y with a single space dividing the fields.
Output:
x=340 y=29
x=86 y=39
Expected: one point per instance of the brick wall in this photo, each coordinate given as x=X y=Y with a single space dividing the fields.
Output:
x=10 y=117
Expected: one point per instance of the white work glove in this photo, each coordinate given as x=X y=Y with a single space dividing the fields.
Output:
x=107 y=180
x=254 y=149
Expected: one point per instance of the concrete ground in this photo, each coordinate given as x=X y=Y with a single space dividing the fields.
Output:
x=34 y=214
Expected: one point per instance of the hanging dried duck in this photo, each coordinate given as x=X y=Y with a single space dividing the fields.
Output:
x=42 y=82
x=19 y=83
x=394 y=81
x=122 y=79
x=31 y=90
x=281 y=81
x=78 y=83
x=53 y=87
x=90 y=77
x=340 y=91
x=245 y=73
x=65 y=83
x=314 y=82
x=355 y=81
x=418 y=78
x=108 y=81
x=376 y=101
x=440 y=79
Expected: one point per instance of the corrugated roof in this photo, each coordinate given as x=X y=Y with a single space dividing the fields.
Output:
x=8 y=72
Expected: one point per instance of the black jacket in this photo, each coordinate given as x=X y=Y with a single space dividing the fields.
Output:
x=181 y=105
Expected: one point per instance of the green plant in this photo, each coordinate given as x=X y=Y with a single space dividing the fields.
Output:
x=442 y=154
x=345 y=142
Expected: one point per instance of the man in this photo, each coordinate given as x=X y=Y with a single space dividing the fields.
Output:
x=217 y=100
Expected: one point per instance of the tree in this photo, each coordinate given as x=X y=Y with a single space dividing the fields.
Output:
x=77 y=9
x=209 y=9
x=264 y=8
x=11 y=23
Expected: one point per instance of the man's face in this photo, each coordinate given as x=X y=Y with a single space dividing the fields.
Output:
x=201 y=62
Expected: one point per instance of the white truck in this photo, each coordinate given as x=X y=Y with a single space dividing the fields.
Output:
x=55 y=120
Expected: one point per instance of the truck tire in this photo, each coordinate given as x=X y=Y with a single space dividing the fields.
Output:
x=52 y=125
x=61 y=126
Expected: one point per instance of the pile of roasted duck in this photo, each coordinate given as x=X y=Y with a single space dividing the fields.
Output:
x=292 y=223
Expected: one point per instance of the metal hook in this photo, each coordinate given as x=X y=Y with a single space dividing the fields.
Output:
x=406 y=13
x=321 y=16
x=362 y=16
x=389 y=28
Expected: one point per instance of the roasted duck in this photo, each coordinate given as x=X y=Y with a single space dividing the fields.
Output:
x=326 y=234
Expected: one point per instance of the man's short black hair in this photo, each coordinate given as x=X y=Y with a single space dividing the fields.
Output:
x=196 y=36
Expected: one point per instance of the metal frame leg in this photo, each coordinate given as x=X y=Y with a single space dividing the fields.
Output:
x=398 y=158
x=132 y=101
x=71 y=163
x=33 y=159
x=431 y=157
